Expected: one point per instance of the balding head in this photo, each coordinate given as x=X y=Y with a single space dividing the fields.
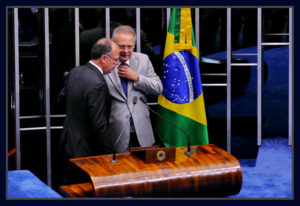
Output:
x=105 y=53
x=101 y=47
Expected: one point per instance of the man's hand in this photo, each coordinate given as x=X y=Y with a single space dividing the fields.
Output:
x=128 y=73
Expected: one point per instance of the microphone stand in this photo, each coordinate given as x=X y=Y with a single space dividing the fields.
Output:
x=188 y=152
x=114 y=160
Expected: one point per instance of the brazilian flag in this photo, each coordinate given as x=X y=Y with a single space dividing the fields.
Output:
x=182 y=98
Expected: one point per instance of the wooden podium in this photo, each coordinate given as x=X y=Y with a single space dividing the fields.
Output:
x=208 y=172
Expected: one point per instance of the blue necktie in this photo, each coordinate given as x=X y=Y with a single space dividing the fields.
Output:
x=124 y=87
x=124 y=81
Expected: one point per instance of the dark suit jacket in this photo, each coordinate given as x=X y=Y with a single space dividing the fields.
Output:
x=87 y=116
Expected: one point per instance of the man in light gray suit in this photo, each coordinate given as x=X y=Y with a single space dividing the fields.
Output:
x=134 y=78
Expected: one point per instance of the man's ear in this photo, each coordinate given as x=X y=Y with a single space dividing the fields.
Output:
x=102 y=59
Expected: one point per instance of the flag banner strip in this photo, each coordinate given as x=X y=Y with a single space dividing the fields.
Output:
x=171 y=49
x=177 y=26
x=183 y=29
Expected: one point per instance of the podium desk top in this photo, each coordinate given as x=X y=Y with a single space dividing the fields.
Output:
x=208 y=171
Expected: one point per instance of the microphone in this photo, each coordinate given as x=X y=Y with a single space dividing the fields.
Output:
x=134 y=101
x=188 y=152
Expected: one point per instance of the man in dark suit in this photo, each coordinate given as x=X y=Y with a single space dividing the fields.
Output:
x=88 y=103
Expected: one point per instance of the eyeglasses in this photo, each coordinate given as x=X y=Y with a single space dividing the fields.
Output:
x=115 y=59
x=126 y=46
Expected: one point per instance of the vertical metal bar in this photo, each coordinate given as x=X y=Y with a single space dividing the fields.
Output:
x=17 y=87
x=77 y=59
x=47 y=91
x=259 y=75
x=197 y=26
x=168 y=17
x=291 y=77
x=228 y=98
x=138 y=29
x=107 y=22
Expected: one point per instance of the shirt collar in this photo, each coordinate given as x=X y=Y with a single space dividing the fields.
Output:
x=96 y=66
x=127 y=62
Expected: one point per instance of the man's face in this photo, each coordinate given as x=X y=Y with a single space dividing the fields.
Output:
x=113 y=59
x=126 y=44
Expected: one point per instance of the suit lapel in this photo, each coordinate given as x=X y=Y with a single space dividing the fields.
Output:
x=133 y=65
x=115 y=79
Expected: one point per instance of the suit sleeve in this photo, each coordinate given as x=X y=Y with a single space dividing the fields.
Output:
x=149 y=82
x=99 y=109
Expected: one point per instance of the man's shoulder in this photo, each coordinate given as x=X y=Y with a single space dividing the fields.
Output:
x=79 y=67
x=84 y=67
x=139 y=55
x=87 y=70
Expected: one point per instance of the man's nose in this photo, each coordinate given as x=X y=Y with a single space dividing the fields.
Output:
x=126 y=49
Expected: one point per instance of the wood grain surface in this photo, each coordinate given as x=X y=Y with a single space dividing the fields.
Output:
x=209 y=171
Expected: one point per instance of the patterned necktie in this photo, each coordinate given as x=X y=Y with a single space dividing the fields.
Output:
x=124 y=81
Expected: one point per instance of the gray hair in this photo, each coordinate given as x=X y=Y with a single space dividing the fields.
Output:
x=125 y=29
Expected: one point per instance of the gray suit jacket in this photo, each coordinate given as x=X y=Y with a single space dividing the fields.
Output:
x=149 y=83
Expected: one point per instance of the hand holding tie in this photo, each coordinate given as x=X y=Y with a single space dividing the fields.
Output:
x=126 y=72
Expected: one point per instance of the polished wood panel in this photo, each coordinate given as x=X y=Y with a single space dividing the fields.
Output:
x=209 y=171
x=77 y=190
